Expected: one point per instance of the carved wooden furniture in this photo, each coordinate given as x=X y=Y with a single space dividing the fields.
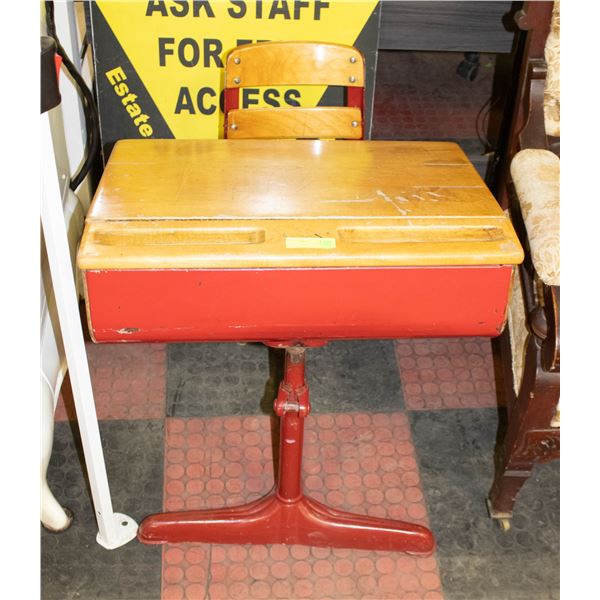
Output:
x=534 y=21
x=293 y=243
x=530 y=346
x=294 y=64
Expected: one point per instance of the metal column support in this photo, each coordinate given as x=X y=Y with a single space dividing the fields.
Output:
x=286 y=515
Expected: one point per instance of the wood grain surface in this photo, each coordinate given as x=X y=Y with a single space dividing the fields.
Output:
x=291 y=63
x=237 y=203
x=333 y=122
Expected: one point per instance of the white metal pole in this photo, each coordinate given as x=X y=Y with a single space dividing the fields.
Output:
x=74 y=121
x=114 y=529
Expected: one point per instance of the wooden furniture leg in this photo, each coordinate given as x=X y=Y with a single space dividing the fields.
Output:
x=528 y=439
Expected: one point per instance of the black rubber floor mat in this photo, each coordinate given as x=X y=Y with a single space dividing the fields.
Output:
x=73 y=564
x=231 y=379
x=478 y=561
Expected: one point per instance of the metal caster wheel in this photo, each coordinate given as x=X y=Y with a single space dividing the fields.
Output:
x=469 y=66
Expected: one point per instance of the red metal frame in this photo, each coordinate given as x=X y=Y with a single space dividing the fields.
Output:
x=231 y=101
x=286 y=515
x=291 y=305
x=355 y=98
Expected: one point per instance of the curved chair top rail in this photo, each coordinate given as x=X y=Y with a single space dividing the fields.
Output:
x=294 y=63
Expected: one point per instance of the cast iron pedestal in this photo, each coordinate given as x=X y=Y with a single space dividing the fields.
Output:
x=286 y=515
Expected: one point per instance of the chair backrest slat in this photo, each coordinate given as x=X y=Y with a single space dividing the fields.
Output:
x=296 y=123
x=295 y=64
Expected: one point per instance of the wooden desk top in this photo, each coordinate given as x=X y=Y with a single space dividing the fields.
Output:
x=291 y=203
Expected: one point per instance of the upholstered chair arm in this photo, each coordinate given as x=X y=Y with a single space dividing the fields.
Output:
x=536 y=177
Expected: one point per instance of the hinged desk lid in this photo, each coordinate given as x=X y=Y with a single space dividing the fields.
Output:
x=292 y=203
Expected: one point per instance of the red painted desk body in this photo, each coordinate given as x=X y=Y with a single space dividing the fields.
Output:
x=293 y=243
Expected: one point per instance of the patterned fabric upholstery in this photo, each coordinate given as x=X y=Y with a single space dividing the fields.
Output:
x=536 y=176
x=519 y=334
x=552 y=90
x=517 y=329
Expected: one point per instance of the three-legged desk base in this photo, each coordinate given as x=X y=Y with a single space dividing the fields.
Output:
x=286 y=515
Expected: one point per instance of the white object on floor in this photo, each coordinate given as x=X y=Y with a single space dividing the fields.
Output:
x=114 y=529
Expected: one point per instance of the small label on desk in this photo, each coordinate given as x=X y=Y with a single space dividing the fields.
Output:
x=310 y=242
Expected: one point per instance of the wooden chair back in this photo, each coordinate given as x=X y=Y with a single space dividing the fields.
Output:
x=290 y=64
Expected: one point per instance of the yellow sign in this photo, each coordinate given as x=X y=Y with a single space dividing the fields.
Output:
x=176 y=52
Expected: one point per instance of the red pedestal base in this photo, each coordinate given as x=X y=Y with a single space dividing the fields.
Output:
x=286 y=515
x=270 y=520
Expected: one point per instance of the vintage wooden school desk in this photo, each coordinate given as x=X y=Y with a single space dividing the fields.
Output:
x=293 y=243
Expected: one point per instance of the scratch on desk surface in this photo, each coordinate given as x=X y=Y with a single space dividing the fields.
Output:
x=127 y=330
x=402 y=211
x=418 y=197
